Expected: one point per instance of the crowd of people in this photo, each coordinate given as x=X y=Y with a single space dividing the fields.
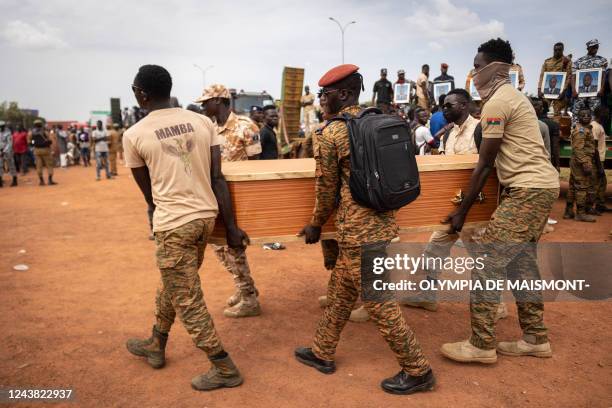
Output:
x=53 y=146
x=176 y=154
x=512 y=134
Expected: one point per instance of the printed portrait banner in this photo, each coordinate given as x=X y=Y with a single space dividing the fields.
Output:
x=441 y=88
x=553 y=84
x=588 y=82
x=401 y=93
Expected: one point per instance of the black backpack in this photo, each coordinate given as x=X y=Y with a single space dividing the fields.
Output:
x=384 y=172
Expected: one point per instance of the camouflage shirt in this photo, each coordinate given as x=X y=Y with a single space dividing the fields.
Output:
x=355 y=224
x=589 y=61
x=553 y=64
x=584 y=145
x=241 y=136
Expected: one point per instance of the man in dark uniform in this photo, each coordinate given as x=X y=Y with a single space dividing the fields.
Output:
x=383 y=92
x=256 y=115
x=357 y=225
x=42 y=142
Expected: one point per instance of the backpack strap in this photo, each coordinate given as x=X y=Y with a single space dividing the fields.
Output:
x=369 y=111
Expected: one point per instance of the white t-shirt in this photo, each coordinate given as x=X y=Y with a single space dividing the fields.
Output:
x=102 y=145
x=422 y=136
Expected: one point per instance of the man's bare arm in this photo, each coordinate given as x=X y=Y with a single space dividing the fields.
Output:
x=486 y=162
x=236 y=238
x=143 y=179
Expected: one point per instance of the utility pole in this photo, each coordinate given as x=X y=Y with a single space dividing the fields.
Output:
x=342 y=29
x=203 y=70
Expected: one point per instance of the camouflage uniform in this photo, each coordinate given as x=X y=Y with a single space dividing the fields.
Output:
x=6 y=153
x=42 y=154
x=241 y=138
x=553 y=64
x=519 y=218
x=241 y=142
x=588 y=61
x=355 y=225
x=180 y=253
x=581 y=187
x=310 y=118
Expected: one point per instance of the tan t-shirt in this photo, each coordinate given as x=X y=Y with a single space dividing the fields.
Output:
x=599 y=134
x=175 y=146
x=522 y=160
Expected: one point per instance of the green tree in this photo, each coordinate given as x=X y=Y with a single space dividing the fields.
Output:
x=12 y=115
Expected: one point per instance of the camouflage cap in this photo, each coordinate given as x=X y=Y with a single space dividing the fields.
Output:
x=592 y=43
x=214 y=91
x=38 y=122
x=400 y=72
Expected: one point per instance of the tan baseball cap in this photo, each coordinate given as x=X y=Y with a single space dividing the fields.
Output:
x=214 y=91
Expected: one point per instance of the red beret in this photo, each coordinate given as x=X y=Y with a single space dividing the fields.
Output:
x=337 y=73
x=444 y=65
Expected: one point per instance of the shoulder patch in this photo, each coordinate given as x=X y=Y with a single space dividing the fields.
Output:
x=494 y=121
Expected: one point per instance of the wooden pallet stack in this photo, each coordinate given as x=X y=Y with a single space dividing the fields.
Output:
x=291 y=93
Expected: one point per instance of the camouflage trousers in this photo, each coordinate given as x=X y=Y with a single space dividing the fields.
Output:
x=601 y=186
x=44 y=158
x=519 y=219
x=180 y=253
x=342 y=293
x=112 y=158
x=582 y=188
x=235 y=261
x=10 y=162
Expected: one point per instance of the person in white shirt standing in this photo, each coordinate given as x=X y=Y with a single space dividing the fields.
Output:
x=100 y=139
x=599 y=134
x=422 y=135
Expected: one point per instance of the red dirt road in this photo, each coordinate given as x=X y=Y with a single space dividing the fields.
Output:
x=91 y=285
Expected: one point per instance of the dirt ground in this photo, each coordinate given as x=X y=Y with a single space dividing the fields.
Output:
x=91 y=286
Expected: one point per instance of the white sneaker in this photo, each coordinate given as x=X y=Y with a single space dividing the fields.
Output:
x=552 y=221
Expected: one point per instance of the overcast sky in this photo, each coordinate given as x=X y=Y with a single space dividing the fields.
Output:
x=67 y=58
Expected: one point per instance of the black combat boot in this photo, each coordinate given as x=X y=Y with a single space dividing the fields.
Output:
x=41 y=181
x=305 y=356
x=569 y=212
x=403 y=383
x=14 y=183
x=153 y=348
x=223 y=373
x=51 y=182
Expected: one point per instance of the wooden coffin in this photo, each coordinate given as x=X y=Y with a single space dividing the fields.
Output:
x=274 y=199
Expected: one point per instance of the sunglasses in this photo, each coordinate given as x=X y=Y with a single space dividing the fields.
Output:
x=325 y=92
x=136 y=88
